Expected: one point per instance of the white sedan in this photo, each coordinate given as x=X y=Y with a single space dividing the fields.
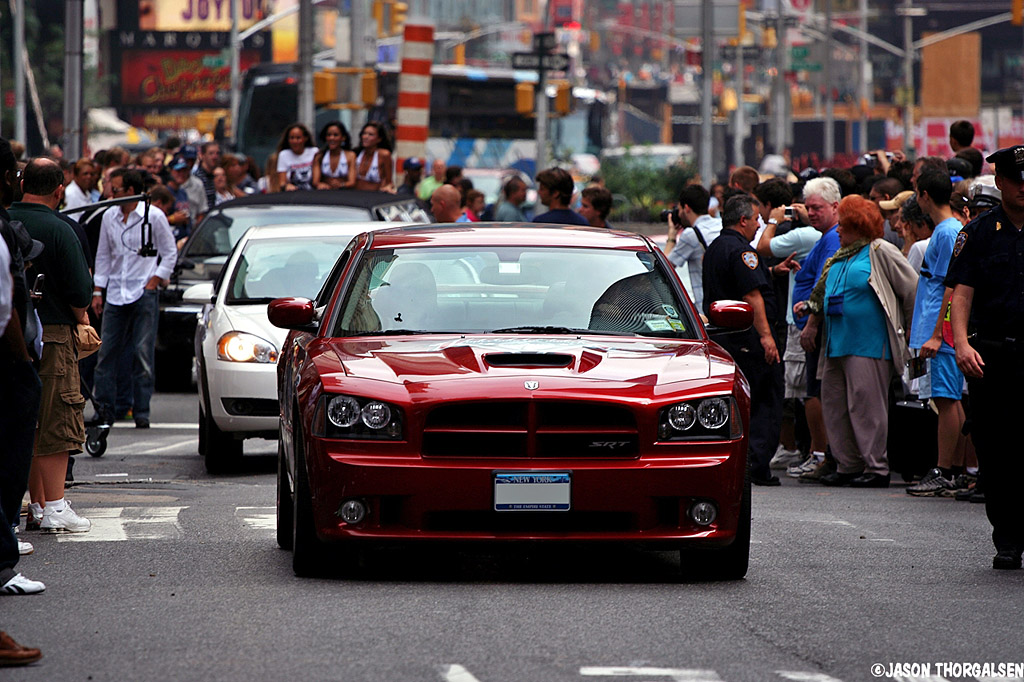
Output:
x=237 y=347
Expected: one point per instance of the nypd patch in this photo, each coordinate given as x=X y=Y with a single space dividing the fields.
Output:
x=958 y=246
x=750 y=259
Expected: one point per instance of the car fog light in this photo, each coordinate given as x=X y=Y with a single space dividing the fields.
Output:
x=352 y=511
x=703 y=513
x=376 y=415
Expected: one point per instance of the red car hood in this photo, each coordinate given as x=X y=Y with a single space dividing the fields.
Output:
x=430 y=359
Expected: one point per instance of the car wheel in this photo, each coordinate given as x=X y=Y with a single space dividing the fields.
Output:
x=726 y=563
x=285 y=503
x=308 y=553
x=220 y=449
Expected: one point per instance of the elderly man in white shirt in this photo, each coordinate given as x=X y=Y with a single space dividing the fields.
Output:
x=131 y=282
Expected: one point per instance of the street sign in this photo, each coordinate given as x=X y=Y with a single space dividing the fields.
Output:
x=800 y=52
x=542 y=42
x=526 y=61
x=750 y=52
x=806 y=66
x=531 y=61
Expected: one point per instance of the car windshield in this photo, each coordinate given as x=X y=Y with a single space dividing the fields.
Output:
x=275 y=268
x=512 y=290
x=219 y=233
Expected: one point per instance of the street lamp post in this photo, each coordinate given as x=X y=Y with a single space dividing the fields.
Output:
x=908 y=12
x=830 y=117
x=73 y=49
x=707 y=47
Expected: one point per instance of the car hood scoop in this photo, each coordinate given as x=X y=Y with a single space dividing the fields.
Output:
x=429 y=359
x=528 y=360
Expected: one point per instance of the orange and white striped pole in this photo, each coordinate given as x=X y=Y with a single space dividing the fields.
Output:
x=413 y=117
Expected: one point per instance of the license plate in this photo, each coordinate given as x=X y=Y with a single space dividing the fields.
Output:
x=532 y=491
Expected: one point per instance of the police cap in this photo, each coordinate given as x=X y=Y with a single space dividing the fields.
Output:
x=1009 y=162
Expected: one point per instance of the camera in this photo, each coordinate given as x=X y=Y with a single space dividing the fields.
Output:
x=674 y=212
x=870 y=160
x=788 y=212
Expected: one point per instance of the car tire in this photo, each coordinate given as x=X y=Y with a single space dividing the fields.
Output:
x=308 y=552
x=221 y=451
x=725 y=563
x=285 y=501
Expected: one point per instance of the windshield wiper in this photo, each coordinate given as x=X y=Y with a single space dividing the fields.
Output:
x=539 y=330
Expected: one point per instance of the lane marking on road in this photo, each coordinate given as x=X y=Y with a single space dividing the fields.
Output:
x=173 y=446
x=456 y=673
x=117 y=524
x=804 y=676
x=677 y=674
x=260 y=518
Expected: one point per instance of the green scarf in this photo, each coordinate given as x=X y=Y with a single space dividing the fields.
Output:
x=817 y=299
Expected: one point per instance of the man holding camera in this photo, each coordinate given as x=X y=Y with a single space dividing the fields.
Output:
x=688 y=246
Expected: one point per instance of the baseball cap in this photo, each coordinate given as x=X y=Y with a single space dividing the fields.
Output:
x=897 y=201
x=412 y=164
x=179 y=163
x=189 y=151
x=1009 y=162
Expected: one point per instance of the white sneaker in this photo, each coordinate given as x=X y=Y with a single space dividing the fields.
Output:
x=798 y=470
x=25 y=548
x=783 y=458
x=19 y=584
x=66 y=521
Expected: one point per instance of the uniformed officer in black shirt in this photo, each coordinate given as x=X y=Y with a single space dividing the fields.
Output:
x=733 y=271
x=987 y=276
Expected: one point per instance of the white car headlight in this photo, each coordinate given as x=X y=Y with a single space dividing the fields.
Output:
x=713 y=413
x=242 y=347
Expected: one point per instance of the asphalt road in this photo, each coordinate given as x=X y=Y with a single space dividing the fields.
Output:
x=181 y=579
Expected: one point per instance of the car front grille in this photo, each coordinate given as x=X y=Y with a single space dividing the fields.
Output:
x=531 y=429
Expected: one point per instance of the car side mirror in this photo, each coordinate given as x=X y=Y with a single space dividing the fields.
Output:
x=725 y=317
x=292 y=313
x=184 y=264
x=200 y=294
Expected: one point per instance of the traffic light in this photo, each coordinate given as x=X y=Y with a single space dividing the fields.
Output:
x=325 y=88
x=524 y=98
x=378 y=16
x=563 y=97
x=1017 y=13
x=399 y=10
x=369 y=88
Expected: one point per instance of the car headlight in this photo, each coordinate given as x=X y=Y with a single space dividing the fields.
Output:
x=243 y=347
x=703 y=419
x=346 y=416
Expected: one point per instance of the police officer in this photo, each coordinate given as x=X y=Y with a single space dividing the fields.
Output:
x=987 y=277
x=732 y=270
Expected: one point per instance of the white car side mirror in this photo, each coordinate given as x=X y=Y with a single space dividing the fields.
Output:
x=200 y=293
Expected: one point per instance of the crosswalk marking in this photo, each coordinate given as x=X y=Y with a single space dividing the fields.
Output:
x=260 y=518
x=117 y=524
x=675 y=674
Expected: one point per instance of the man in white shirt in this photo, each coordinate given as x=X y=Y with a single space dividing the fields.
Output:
x=131 y=283
x=82 y=191
x=688 y=245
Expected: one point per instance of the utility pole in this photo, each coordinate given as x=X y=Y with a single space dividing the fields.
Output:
x=706 y=45
x=862 y=83
x=909 y=12
x=236 y=70
x=740 y=120
x=20 y=131
x=830 y=114
x=782 y=102
x=74 y=40
x=307 y=115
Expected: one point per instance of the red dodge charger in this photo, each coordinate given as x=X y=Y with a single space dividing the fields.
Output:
x=510 y=382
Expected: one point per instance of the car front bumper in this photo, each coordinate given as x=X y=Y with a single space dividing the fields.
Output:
x=647 y=499
x=242 y=396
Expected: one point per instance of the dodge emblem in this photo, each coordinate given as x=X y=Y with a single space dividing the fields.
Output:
x=532 y=385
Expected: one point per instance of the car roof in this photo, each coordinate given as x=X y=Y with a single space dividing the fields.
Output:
x=348 y=197
x=300 y=230
x=508 y=234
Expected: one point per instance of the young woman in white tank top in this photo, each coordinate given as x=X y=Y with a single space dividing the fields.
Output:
x=335 y=165
x=373 y=163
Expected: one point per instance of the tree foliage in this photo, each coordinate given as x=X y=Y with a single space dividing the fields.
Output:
x=647 y=188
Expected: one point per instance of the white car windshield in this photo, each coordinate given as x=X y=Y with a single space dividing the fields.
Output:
x=512 y=290
x=275 y=268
